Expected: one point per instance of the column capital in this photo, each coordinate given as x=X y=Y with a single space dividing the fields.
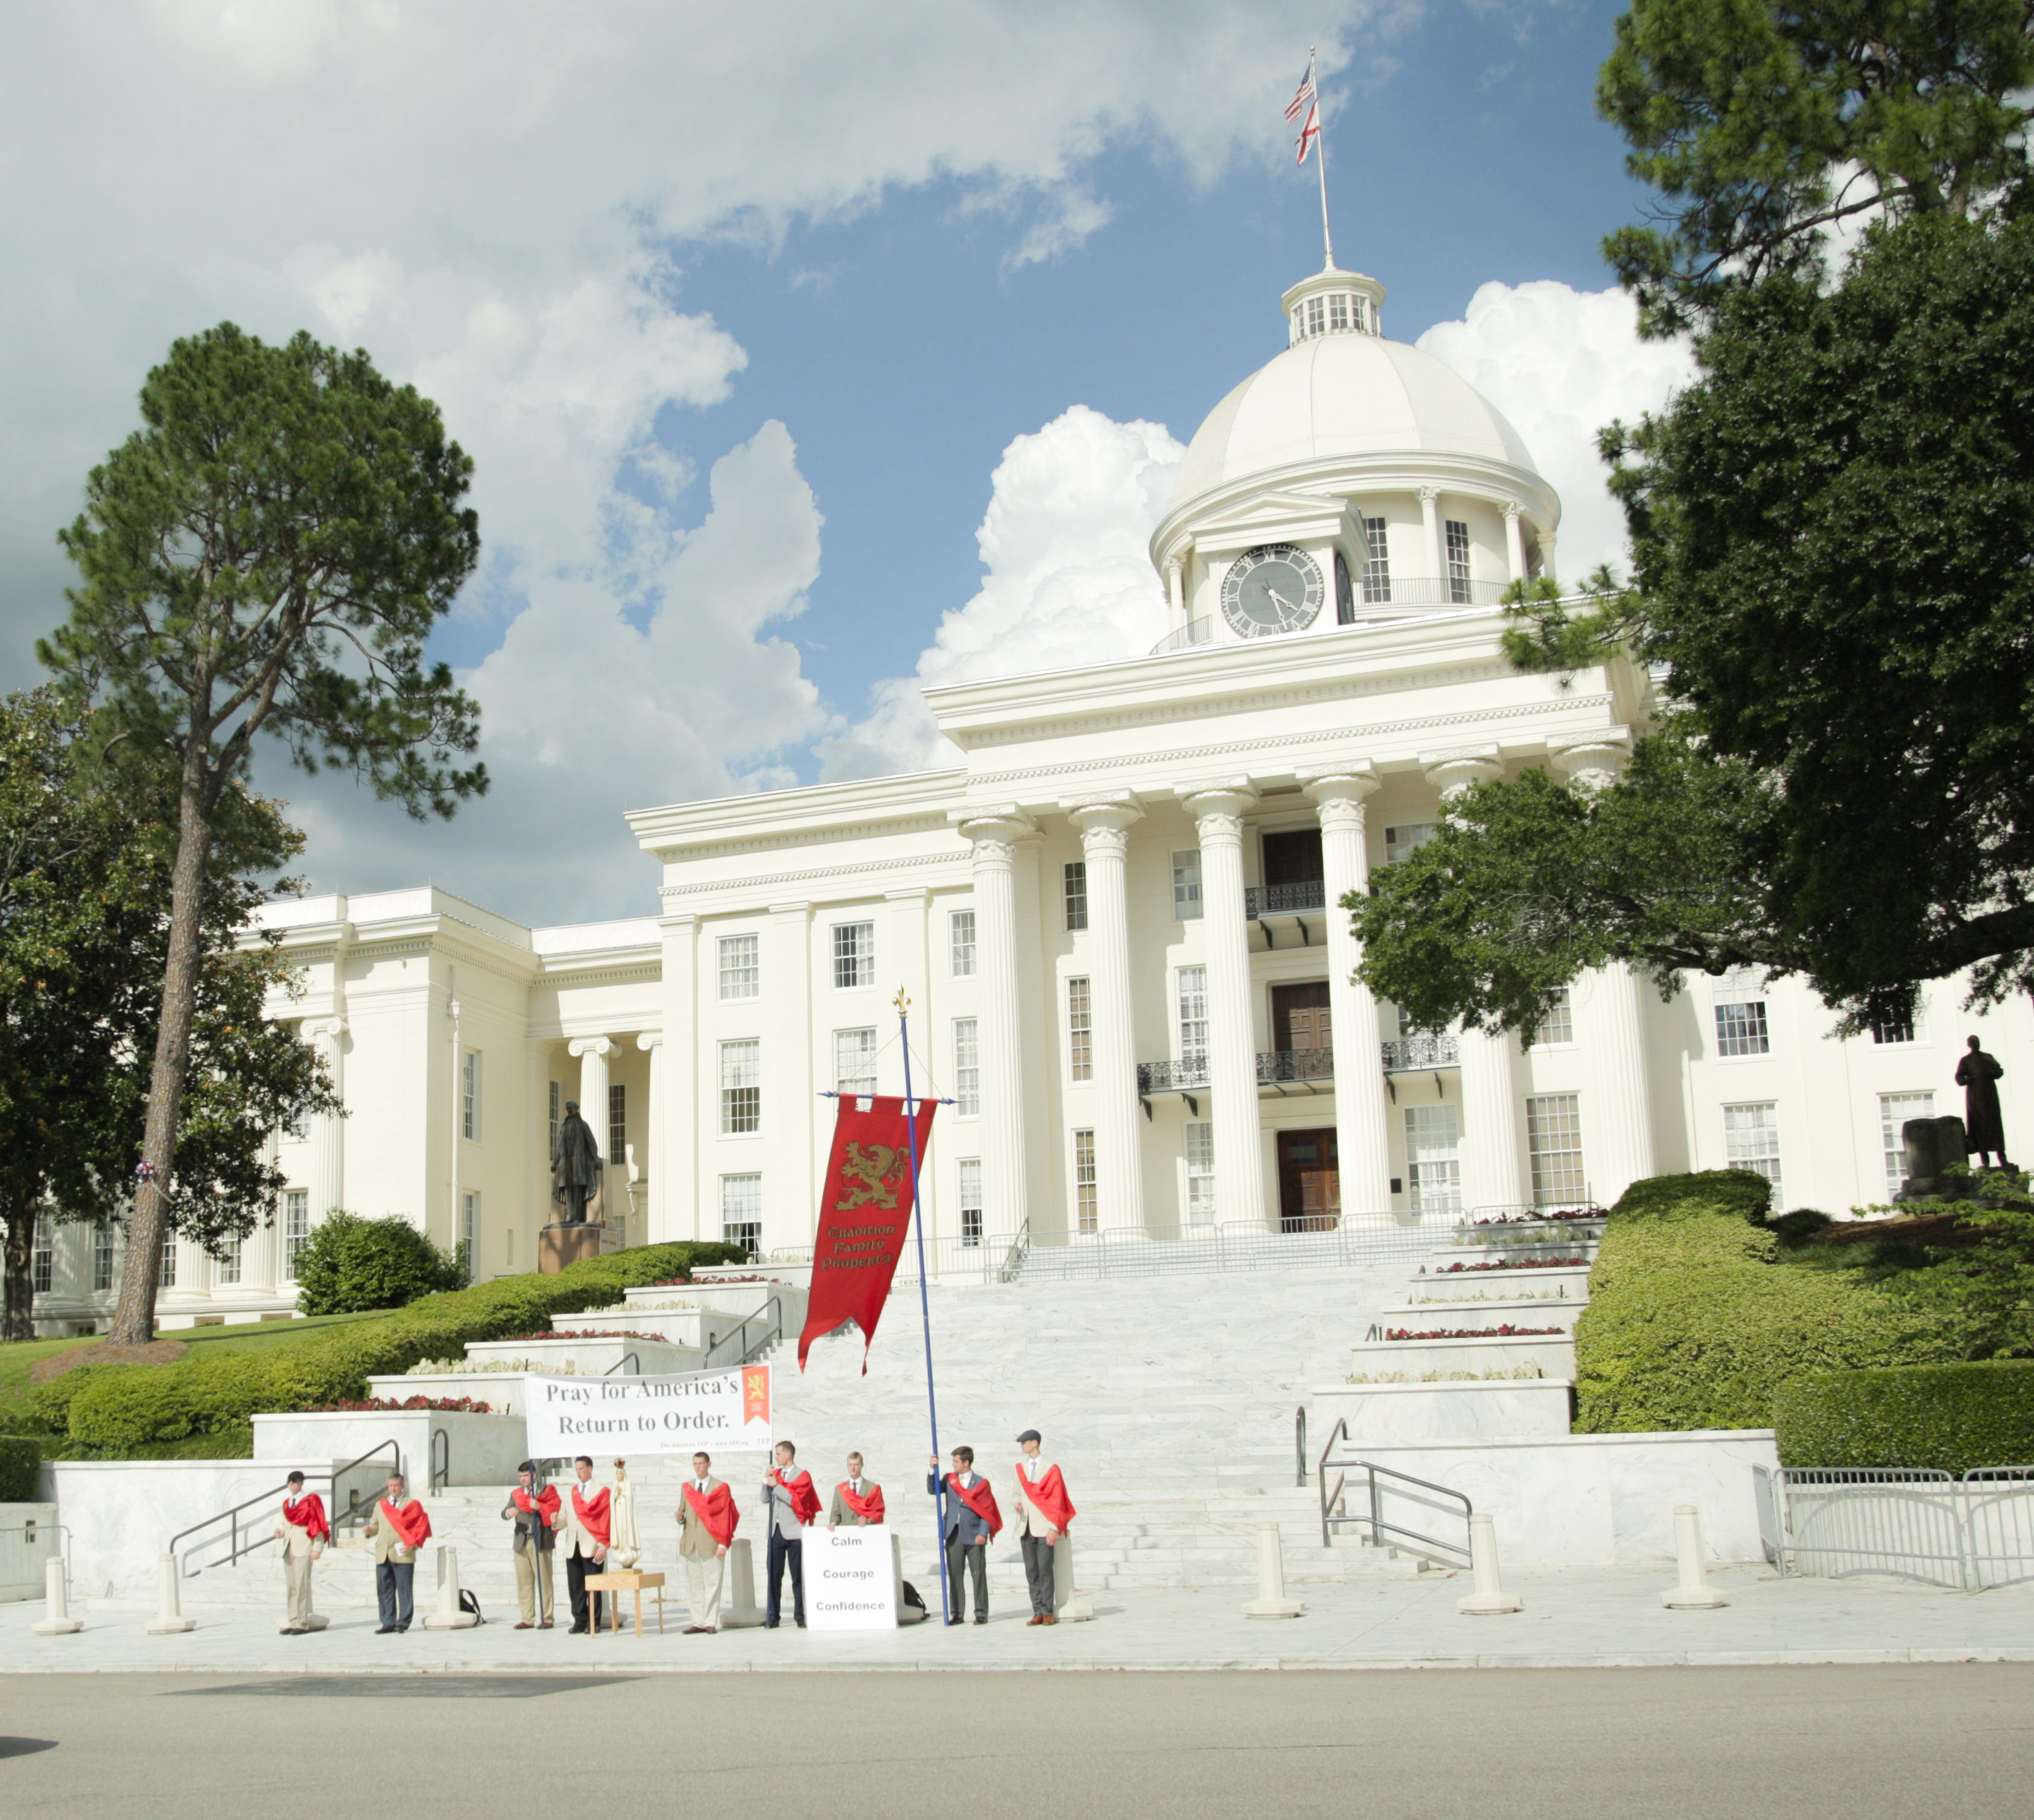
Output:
x=1591 y=761
x=1340 y=779
x=318 y=1029
x=1514 y=510
x=1429 y=495
x=584 y=1046
x=1003 y=822
x=1104 y=813
x=1218 y=796
x=649 y=1039
x=1453 y=772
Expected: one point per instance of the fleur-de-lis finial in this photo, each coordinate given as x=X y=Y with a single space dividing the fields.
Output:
x=903 y=1003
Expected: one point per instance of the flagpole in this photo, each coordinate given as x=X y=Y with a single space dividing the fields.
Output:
x=1321 y=152
x=925 y=1312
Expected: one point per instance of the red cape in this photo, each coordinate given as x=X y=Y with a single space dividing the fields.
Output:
x=716 y=1510
x=308 y=1513
x=594 y=1517
x=411 y=1522
x=980 y=1500
x=1049 y=1497
x=868 y=1506
x=804 y=1500
x=547 y=1503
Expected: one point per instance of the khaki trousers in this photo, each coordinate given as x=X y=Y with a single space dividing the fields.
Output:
x=297 y=1578
x=705 y=1580
x=526 y=1584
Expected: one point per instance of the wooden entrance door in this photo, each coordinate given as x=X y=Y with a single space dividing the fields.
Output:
x=1300 y=1016
x=1309 y=1181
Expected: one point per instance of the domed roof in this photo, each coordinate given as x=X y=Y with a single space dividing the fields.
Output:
x=1337 y=395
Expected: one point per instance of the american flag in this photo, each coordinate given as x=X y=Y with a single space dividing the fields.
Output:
x=1304 y=109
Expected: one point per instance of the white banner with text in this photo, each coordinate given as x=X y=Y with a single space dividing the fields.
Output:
x=685 y=1413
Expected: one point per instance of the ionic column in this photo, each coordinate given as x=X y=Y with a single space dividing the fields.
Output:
x=593 y=1052
x=1430 y=521
x=1617 y=1123
x=675 y=1186
x=993 y=837
x=1239 y=1159
x=1514 y=541
x=1492 y=1175
x=328 y=1181
x=1104 y=828
x=1361 y=1138
x=650 y=1156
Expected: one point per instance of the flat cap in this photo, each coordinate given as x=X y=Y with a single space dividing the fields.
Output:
x=1030 y=1435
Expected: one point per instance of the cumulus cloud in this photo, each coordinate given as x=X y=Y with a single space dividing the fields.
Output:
x=1068 y=580
x=1560 y=364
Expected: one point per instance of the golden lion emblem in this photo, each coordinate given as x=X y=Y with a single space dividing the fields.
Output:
x=865 y=1173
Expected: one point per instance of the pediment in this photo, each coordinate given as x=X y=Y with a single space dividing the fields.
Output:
x=1288 y=515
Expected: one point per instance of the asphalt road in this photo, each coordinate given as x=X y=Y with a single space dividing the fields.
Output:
x=1767 y=1743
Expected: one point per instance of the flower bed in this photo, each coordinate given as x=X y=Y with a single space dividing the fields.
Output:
x=580 y=1333
x=1507 y=1332
x=1514 y=1374
x=710 y=1283
x=377 y=1405
x=1517 y=1264
x=1545 y=1219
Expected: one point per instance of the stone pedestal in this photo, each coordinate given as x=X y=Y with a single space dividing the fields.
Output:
x=560 y=1245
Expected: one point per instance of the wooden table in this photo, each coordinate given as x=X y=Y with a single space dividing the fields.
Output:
x=628 y=1581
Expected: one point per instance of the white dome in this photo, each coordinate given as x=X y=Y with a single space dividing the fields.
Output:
x=1341 y=395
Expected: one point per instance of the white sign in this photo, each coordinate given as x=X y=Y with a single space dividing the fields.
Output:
x=851 y=1579
x=686 y=1413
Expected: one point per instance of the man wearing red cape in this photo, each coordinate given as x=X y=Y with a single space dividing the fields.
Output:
x=303 y=1533
x=398 y=1528
x=534 y=1539
x=973 y=1521
x=790 y=1504
x=857 y=1500
x=1044 y=1511
x=706 y=1523
x=588 y=1520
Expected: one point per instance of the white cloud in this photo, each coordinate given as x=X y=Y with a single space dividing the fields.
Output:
x=1561 y=364
x=1069 y=580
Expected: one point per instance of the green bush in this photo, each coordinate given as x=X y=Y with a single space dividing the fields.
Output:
x=21 y=1463
x=1952 y=1418
x=1691 y=1324
x=1794 y=1230
x=350 y=1264
x=112 y=1409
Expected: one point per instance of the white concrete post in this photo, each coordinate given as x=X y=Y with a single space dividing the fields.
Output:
x=56 y=1620
x=1104 y=828
x=1362 y=1141
x=1489 y=1599
x=448 y=1616
x=994 y=838
x=593 y=1052
x=1514 y=541
x=1068 y=1607
x=1239 y=1144
x=739 y=1609
x=1271 y=1601
x=1693 y=1593
x=169 y=1619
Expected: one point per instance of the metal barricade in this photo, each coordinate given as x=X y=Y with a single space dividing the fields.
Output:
x=1909 y=1523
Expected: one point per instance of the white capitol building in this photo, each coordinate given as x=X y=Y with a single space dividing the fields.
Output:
x=1113 y=919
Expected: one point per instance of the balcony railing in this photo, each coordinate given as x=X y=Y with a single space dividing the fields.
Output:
x=1422 y=1050
x=1387 y=602
x=1188 y=1073
x=1274 y=1066
x=1265 y=900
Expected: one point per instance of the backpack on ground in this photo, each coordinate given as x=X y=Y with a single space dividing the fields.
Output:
x=468 y=1602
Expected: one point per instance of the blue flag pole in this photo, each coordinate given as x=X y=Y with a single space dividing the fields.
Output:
x=924 y=1311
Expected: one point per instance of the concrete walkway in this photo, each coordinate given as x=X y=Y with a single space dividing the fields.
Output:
x=1575 y=1618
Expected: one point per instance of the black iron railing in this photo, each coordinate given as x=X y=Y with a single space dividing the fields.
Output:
x=1271 y=900
x=1422 y=1049
x=1277 y=1066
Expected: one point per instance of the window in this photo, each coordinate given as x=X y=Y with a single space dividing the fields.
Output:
x=960 y=945
x=1457 y=534
x=1741 y=1028
x=1080 y=1031
x=1433 y=1160
x=970 y=1197
x=1075 y=887
x=229 y=1259
x=469 y=1095
x=617 y=1123
x=166 y=1274
x=42 y=1260
x=1193 y=1015
x=1087 y=1217
x=1894 y=1111
x=741 y=1088
x=1898 y=1028
x=1315 y=312
x=101 y=1258
x=1751 y=1140
x=740 y=967
x=854 y=1061
x=1200 y=1172
x=1406 y=839
x=741 y=1212
x=967 y=1067
x=469 y=1231
x=1377 y=564
x=1186 y=885
x=1554 y=1144
x=853 y=955
x=1558 y=1025
x=557 y=1113
x=1338 y=310
x=1344 y=592
x=296 y=1229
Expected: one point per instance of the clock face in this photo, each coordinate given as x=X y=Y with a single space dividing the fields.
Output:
x=1276 y=588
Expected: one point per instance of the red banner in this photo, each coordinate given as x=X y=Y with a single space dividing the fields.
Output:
x=865 y=1214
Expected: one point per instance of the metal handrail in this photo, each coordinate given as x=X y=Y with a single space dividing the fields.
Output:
x=1277 y=1065
x=1020 y=1248
x=1299 y=1442
x=1193 y=631
x=330 y=1476
x=740 y=1332
x=441 y=1476
x=631 y=1358
x=1375 y=1522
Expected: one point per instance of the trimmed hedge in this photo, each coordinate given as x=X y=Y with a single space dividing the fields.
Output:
x=20 y=1464
x=352 y=1264
x=1691 y=1324
x=1951 y=1417
x=109 y=1408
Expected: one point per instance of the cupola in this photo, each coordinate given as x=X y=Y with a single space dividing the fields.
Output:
x=1334 y=303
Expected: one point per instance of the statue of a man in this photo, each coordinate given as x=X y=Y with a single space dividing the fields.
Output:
x=1984 y=1126
x=575 y=1166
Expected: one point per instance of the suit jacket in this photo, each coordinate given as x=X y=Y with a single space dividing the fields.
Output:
x=577 y=1539
x=961 y=1521
x=1029 y=1520
x=525 y=1520
x=695 y=1539
x=840 y=1514
x=296 y=1541
x=384 y=1540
